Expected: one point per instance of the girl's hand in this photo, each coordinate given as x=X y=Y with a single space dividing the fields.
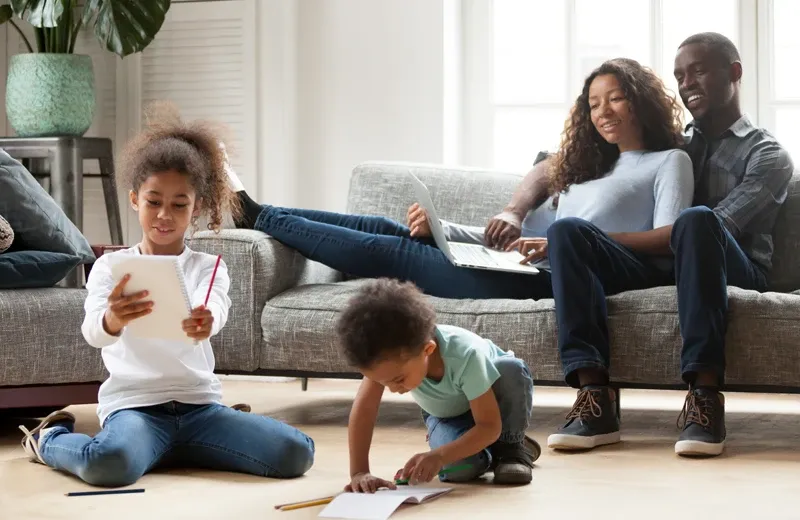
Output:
x=198 y=327
x=367 y=483
x=533 y=249
x=417 y=221
x=124 y=309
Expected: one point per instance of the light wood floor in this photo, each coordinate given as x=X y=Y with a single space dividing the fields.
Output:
x=758 y=477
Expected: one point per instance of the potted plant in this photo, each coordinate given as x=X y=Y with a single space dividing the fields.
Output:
x=50 y=90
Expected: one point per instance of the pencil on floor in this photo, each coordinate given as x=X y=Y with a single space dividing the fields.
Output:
x=305 y=503
x=104 y=492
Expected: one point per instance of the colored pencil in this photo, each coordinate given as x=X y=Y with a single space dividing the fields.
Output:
x=213 y=275
x=104 y=492
x=305 y=503
x=404 y=481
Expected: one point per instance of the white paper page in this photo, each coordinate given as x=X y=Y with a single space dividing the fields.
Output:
x=363 y=506
x=377 y=506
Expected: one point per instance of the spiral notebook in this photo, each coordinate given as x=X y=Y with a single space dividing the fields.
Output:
x=163 y=278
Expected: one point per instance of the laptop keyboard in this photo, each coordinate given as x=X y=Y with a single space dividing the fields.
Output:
x=472 y=255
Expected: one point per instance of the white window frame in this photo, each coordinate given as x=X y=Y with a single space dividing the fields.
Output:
x=477 y=120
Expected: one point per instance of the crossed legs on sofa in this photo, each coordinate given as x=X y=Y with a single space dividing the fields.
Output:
x=587 y=265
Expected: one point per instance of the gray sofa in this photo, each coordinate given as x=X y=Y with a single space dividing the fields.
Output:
x=284 y=307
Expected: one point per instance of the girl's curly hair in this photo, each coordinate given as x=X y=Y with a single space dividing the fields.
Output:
x=193 y=148
x=584 y=155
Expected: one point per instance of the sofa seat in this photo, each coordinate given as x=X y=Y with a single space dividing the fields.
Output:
x=762 y=339
x=42 y=339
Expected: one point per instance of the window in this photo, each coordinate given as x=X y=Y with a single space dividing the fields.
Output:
x=527 y=59
x=781 y=104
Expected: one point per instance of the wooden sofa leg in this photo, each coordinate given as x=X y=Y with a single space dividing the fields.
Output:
x=304 y=384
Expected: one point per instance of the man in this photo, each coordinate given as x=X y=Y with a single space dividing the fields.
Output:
x=741 y=179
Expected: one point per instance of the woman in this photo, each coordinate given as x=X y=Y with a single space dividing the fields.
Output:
x=618 y=167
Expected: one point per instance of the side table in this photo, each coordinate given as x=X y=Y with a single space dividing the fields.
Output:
x=65 y=156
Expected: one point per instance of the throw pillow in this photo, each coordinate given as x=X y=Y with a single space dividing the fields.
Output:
x=38 y=222
x=6 y=234
x=34 y=269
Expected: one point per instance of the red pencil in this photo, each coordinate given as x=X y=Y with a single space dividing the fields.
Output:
x=213 y=275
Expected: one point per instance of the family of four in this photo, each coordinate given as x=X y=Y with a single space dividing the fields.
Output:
x=630 y=201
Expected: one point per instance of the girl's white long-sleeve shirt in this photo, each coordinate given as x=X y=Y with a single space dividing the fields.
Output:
x=147 y=372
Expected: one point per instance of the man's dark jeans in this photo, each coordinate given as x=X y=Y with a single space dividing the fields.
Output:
x=375 y=247
x=587 y=265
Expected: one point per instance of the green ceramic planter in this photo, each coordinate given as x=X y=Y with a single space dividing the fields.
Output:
x=50 y=94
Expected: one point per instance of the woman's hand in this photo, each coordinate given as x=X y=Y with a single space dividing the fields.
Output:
x=124 y=309
x=533 y=249
x=198 y=326
x=417 y=221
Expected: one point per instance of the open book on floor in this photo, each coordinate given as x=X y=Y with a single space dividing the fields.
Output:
x=379 y=505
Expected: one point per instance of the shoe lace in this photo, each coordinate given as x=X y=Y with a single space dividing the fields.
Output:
x=585 y=406
x=697 y=409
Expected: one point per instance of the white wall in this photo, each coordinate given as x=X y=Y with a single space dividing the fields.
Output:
x=370 y=84
x=338 y=82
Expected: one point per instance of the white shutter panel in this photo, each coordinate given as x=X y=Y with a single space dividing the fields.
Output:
x=204 y=60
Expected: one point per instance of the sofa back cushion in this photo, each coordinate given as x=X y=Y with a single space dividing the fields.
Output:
x=785 y=273
x=472 y=196
x=464 y=196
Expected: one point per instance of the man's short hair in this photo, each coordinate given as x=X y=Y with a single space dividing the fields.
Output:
x=719 y=44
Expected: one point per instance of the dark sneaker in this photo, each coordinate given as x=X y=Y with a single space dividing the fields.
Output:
x=30 y=442
x=512 y=463
x=593 y=421
x=703 y=424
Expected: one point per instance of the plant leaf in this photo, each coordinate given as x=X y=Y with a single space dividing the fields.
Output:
x=39 y=13
x=5 y=13
x=125 y=26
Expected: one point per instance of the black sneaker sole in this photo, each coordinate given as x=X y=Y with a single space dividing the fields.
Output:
x=562 y=441
x=513 y=478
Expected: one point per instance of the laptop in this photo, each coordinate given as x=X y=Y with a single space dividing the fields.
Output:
x=473 y=256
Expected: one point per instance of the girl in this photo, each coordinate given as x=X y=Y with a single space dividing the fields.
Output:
x=160 y=405
x=619 y=168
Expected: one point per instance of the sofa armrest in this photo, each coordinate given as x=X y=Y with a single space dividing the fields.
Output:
x=260 y=268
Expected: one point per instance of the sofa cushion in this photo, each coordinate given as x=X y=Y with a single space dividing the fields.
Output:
x=38 y=222
x=32 y=269
x=785 y=273
x=762 y=348
x=41 y=340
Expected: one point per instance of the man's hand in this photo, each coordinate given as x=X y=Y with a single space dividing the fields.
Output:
x=124 y=309
x=502 y=229
x=198 y=327
x=422 y=467
x=533 y=249
x=417 y=221
x=367 y=483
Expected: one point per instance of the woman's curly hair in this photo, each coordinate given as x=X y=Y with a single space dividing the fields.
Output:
x=584 y=155
x=193 y=148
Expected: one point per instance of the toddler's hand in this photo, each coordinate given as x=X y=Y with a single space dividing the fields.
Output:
x=367 y=483
x=198 y=327
x=422 y=467
x=123 y=309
